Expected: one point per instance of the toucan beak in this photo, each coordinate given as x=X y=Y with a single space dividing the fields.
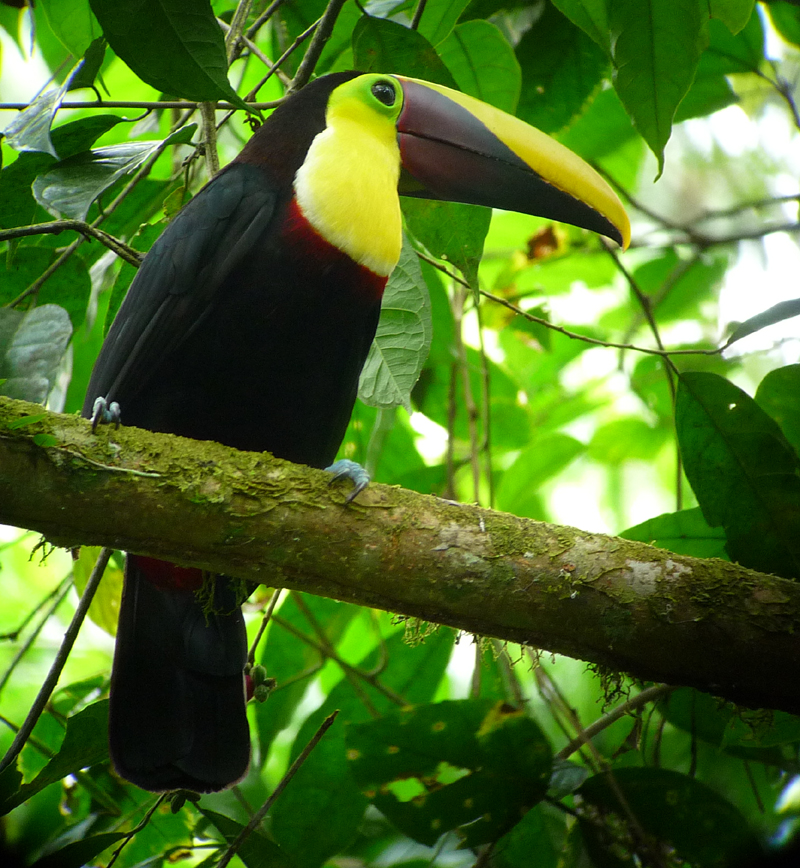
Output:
x=456 y=148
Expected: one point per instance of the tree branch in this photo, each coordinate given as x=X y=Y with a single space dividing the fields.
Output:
x=619 y=604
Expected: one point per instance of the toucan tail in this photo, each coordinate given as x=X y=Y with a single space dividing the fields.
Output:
x=177 y=715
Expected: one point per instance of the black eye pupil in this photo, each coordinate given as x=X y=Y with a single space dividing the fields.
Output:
x=384 y=92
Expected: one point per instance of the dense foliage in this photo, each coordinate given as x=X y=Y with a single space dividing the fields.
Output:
x=640 y=394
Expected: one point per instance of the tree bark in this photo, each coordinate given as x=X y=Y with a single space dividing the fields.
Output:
x=619 y=604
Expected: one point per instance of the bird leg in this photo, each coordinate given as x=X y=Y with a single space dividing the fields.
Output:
x=352 y=470
x=104 y=413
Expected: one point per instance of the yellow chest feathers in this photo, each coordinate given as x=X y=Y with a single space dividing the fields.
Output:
x=347 y=186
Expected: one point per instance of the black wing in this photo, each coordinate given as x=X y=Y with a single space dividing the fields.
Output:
x=180 y=278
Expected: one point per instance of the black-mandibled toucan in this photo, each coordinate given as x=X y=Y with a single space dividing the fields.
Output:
x=248 y=323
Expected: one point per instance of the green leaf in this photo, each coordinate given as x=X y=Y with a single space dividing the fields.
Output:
x=786 y=20
x=402 y=340
x=77 y=854
x=380 y=45
x=450 y=231
x=602 y=128
x=545 y=457
x=561 y=68
x=735 y=13
x=743 y=471
x=257 y=851
x=30 y=129
x=320 y=812
x=143 y=240
x=537 y=839
x=176 y=46
x=591 y=16
x=777 y=396
x=104 y=609
x=779 y=312
x=25 y=421
x=685 y=533
x=625 y=439
x=45 y=440
x=483 y=64
x=85 y=744
x=725 y=726
x=73 y=23
x=439 y=18
x=292 y=662
x=704 y=829
x=32 y=344
x=467 y=763
x=656 y=48
x=727 y=54
x=90 y=68
x=69 y=287
x=70 y=187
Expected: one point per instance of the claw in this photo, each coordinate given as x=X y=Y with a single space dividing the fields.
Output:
x=104 y=413
x=352 y=471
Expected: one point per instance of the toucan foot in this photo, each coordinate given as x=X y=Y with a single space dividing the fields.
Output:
x=352 y=470
x=104 y=413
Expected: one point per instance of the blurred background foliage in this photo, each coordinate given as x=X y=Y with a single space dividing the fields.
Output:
x=546 y=400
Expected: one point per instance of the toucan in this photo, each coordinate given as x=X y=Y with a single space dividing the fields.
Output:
x=248 y=323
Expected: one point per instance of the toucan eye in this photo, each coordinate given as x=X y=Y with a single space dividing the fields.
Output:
x=385 y=92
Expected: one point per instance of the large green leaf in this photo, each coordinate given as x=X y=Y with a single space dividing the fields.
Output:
x=591 y=16
x=402 y=340
x=292 y=662
x=538 y=839
x=85 y=744
x=77 y=854
x=744 y=472
x=777 y=395
x=471 y=765
x=656 y=49
x=685 y=533
x=73 y=23
x=257 y=851
x=176 y=46
x=320 y=812
x=69 y=188
x=735 y=13
x=561 y=68
x=705 y=829
x=545 y=457
x=439 y=18
x=451 y=231
x=380 y=45
x=32 y=345
x=483 y=64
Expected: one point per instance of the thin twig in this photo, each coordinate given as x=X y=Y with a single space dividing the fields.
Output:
x=369 y=677
x=152 y=105
x=418 y=14
x=58 y=664
x=124 y=251
x=236 y=30
x=312 y=55
x=259 y=815
x=273 y=601
x=649 y=694
x=209 y=116
x=57 y=596
x=653 y=351
x=135 y=831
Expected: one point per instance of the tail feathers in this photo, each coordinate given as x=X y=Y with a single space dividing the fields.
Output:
x=177 y=716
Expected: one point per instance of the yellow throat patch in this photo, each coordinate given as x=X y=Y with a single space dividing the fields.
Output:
x=347 y=185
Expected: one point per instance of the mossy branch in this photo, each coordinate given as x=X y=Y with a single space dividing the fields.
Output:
x=619 y=604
